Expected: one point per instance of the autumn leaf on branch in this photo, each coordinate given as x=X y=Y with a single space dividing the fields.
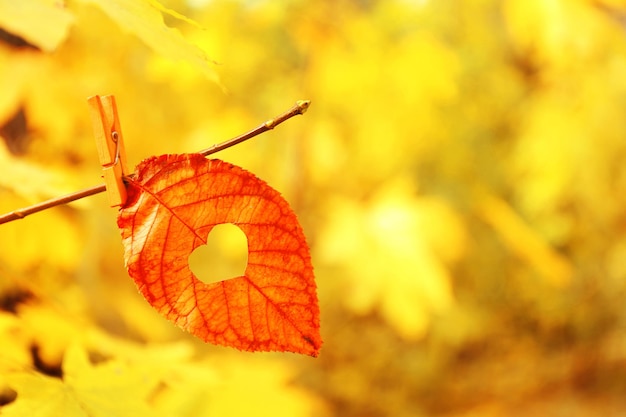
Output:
x=168 y=208
x=173 y=203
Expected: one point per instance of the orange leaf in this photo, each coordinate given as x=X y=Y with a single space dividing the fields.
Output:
x=173 y=203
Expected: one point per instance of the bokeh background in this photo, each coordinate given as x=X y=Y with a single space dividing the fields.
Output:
x=460 y=178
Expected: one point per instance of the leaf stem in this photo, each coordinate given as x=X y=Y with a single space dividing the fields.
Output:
x=300 y=107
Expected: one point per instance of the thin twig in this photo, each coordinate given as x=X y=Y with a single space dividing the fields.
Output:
x=299 y=108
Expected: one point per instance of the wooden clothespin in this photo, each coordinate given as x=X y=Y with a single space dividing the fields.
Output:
x=110 y=145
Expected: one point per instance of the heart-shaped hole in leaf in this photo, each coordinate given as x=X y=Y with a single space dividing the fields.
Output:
x=224 y=256
x=173 y=202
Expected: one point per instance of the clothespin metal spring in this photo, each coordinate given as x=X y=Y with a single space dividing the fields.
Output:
x=110 y=143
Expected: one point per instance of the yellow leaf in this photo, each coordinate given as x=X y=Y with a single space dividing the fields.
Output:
x=405 y=273
x=112 y=388
x=43 y=23
x=173 y=13
x=41 y=396
x=146 y=22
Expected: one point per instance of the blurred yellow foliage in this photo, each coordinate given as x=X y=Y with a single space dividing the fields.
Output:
x=459 y=177
x=406 y=272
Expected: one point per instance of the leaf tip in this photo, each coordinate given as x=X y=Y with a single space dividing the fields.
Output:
x=315 y=343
